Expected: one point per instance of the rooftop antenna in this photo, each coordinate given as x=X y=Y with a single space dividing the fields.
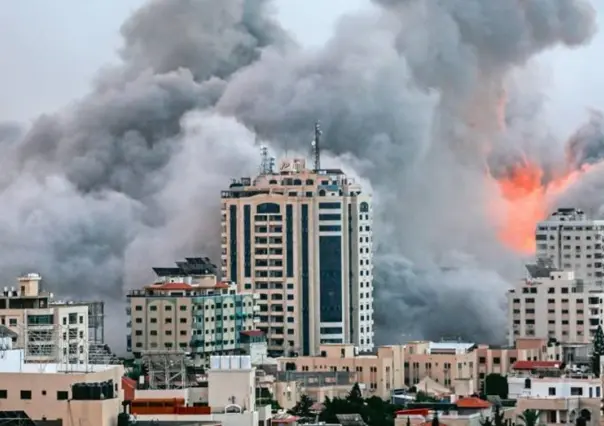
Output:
x=316 y=145
x=265 y=161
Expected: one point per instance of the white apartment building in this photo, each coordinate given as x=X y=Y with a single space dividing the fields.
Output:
x=551 y=303
x=302 y=239
x=559 y=396
x=573 y=242
x=46 y=332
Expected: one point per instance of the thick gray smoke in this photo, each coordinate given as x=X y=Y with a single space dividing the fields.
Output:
x=410 y=96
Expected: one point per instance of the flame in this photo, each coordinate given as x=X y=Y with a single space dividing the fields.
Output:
x=526 y=201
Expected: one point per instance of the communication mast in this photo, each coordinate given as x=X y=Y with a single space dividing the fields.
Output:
x=267 y=164
x=316 y=145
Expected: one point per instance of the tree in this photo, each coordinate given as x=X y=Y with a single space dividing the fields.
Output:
x=355 y=396
x=597 y=350
x=498 y=417
x=408 y=421
x=530 y=417
x=424 y=397
x=303 y=409
x=496 y=384
x=265 y=397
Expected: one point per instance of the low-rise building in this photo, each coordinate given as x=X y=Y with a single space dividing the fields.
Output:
x=559 y=395
x=188 y=310
x=76 y=394
x=461 y=368
x=227 y=397
x=380 y=373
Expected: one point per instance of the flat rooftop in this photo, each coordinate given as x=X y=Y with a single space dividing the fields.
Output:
x=12 y=362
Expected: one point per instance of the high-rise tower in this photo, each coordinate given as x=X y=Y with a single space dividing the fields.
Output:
x=302 y=239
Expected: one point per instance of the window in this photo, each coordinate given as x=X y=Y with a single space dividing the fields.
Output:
x=551 y=391
x=575 y=391
x=62 y=395
x=25 y=394
x=3 y=394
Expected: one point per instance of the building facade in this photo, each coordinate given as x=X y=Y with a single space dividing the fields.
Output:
x=552 y=303
x=47 y=332
x=302 y=240
x=558 y=395
x=454 y=367
x=74 y=394
x=573 y=242
x=189 y=310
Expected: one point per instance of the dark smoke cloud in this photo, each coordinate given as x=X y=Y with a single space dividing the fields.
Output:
x=409 y=96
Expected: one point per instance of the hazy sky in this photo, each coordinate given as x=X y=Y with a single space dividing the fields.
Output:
x=48 y=54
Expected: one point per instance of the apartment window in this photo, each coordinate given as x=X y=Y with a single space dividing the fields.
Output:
x=183 y=308
x=551 y=391
x=138 y=308
x=183 y=320
x=13 y=322
x=25 y=394
x=81 y=319
x=482 y=360
x=62 y=395
x=576 y=391
x=496 y=360
x=153 y=308
x=168 y=308
x=73 y=318
x=3 y=394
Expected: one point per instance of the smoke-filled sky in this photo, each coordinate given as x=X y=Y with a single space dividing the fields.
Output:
x=418 y=99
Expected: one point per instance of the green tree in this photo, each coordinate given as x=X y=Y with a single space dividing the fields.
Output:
x=422 y=396
x=597 y=350
x=498 y=417
x=496 y=384
x=303 y=409
x=530 y=417
x=355 y=396
x=265 y=397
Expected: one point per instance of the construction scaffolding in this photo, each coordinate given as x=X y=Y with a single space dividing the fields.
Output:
x=167 y=369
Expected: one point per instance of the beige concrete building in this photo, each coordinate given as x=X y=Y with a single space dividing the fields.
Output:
x=189 y=310
x=458 y=367
x=302 y=240
x=551 y=303
x=76 y=394
x=46 y=331
x=380 y=373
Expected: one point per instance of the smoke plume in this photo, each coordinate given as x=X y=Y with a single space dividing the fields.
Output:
x=410 y=95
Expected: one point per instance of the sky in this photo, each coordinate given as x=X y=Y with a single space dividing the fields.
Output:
x=49 y=55
x=51 y=61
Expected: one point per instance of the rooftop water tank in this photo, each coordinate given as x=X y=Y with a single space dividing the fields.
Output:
x=215 y=362
x=246 y=362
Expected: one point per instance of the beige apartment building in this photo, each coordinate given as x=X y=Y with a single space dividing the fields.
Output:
x=551 y=303
x=302 y=239
x=76 y=394
x=189 y=310
x=47 y=331
x=380 y=373
x=458 y=367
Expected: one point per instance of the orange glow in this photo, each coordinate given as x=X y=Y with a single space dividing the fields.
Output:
x=527 y=201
